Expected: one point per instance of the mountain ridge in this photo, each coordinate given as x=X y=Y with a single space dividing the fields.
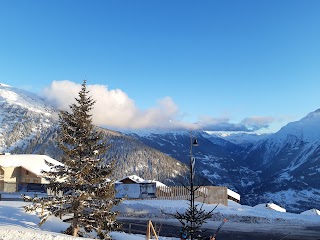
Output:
x=283 y=167
x=28 y=127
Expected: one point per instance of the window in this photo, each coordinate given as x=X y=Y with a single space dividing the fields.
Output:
x=35 y=181
x=27 y=180
x=27 y=172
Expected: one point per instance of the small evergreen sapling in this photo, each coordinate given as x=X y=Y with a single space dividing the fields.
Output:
x=194 y=217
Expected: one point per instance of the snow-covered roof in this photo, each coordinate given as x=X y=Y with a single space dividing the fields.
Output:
x=32 y=162
x=138 y=179
x=233 y=194
x=158 y=184
x=311 y=212
x=271 y=206
x=133 y=178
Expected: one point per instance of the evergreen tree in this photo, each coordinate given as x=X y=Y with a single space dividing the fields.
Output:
x=83 y=177
x=193 y=218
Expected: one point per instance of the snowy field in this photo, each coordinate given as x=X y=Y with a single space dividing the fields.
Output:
x=16 y=224
x=241 y=218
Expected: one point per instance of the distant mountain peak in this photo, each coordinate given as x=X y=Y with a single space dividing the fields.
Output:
x=239 y=138
x=24 y=99
x=23 y=115
x=314 y=114
x=4 y=85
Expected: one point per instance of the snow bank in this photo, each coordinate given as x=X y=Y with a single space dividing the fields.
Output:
x=15 y=233
x=15 y=224
x=311 y=212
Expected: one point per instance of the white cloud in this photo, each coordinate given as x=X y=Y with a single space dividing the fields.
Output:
x=258 y=122
x=113 y=108
x=61 y=93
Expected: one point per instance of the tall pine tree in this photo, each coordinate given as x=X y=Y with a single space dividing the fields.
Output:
x=83 y=177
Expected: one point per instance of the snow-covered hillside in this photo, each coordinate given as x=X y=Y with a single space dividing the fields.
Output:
x=27 y=100
x=23 y=115
x=289 y=161
x=283 y=167
x=15 y=224
x=28 y=124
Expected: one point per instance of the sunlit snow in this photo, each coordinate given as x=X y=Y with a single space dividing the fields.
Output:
x=16 y=224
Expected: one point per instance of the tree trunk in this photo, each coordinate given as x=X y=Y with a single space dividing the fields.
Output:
x=75 y=227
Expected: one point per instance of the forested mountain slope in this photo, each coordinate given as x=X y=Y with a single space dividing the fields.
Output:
x=283 y=167
x=30 y=125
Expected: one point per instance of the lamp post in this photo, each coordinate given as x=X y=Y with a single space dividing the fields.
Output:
x=193 y=142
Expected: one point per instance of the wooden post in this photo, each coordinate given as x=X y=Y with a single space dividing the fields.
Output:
x=154 y=231
x=129 y=228
x=148 y=231
x=149 y=228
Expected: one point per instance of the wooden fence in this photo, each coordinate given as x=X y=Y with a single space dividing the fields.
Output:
x=206 y=194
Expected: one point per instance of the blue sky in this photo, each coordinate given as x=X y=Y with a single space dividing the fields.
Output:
x=229 y=63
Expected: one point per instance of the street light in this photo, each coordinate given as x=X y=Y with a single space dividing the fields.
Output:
x=193 y=142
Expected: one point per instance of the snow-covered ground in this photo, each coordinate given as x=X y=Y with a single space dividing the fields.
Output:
x=16 y=224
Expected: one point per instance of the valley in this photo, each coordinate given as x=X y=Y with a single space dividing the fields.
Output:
x=283 y=167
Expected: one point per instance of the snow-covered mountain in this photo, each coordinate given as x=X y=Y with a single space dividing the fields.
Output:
x=283 y=167
x=28 y=124
x=217 y=160
x=289 y=161
x=243 y=139
x=23 y=116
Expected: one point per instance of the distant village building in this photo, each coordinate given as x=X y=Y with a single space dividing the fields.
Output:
x=271 y=206
x=134 y=187
x=132 y=179
x=232 y=195
x=22 y=172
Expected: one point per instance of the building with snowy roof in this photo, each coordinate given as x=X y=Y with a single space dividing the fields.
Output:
x=158 y=184
x=134 y=186
x=23 y=172
x=271 y=206
x=131 y=179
